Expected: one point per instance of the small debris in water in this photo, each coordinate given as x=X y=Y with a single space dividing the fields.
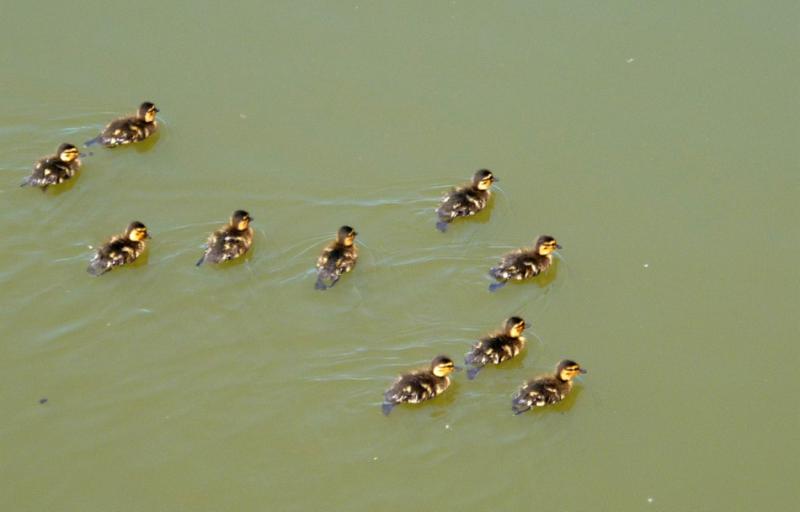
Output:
x=650 y=500
x=43 y=400
x=447 y=426
x=243 y=116
x=646 y=265
x=629 y=61
x=374 y=458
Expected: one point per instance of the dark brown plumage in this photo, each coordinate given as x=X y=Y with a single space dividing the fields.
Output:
x=419 y=385
x=524 y=263
x=120 y=250
x=337 y=258
x=547 y=389
x=230 y=241
x=466 y=200
x=54 y=169
x=497 y=347
x=127 y=130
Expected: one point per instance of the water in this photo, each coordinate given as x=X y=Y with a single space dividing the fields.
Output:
x=658 y=143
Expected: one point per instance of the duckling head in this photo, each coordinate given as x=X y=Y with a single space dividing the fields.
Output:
x=241 y=219
x=568 y=370
x=136 y=232
x=546 y=244
x=483 y=179
x=442 y=366
x=147 y=111
x=346 y=236
x=514 y=326
x=67 y=152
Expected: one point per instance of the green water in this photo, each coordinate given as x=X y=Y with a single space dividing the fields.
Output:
x=658 y=141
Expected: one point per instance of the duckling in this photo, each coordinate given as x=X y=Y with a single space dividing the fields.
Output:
x=420 y=385
x=497 y=347
x=466 y=200
x=120 y=250
x=127 y=130
x=54 y=169
x=524 y=263
x=230 y=241
x=338 y=257
x=547 y=389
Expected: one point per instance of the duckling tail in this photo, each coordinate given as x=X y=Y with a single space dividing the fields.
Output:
x=320 y=285
x=387 y=408
x=93 y=141
x=520 y=408
x=201 y=260
x=441 y=226
x=97 y=268
x=472 y=371
x=496 y=286
x=518 y=405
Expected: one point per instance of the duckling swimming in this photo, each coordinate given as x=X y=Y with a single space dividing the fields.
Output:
x=524 y=263
x=127 y=130
x=496 y=347
x=120 y=250
x=419 y=385
x=547 y=389
x=54 y=169
x=338 y=257
x=466 y=200
x=230 y=241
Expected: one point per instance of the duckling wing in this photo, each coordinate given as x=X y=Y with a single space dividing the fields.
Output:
x=519 y=264
x=113 y=254
x=492 y=350
x=461 y=202
x=126 y=131
x=226 y=244
x=412 y=388
x=537 y=393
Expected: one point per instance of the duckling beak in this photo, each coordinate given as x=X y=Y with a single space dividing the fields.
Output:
x=558 y=246
x=583 y=370
x=148 y=236
x=156 y=110
x=458 y=368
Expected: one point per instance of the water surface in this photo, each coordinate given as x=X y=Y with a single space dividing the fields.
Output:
x=657 y=142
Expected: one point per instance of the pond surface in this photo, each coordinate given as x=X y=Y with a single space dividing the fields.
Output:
x=657 y=141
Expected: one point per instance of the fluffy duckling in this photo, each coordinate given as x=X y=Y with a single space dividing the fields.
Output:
x=230 y=241
x=120 y=250
x=420 y=385
x=524 y=263
x=127 y=130
x=497 y=347
x=466 y=200
x=54 y=169
x=338 y=257
x=547 y=389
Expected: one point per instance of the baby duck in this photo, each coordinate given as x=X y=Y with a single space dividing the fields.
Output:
x=120 y=250
x=496 y=347
x=127 y=130
x=524 y=263
x=338 y=257
x=419 y=385
x=547 y=389
x=230 y=241
x=54 y=169
x=466 y=200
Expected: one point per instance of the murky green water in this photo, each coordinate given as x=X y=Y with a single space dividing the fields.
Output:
x=657 y=141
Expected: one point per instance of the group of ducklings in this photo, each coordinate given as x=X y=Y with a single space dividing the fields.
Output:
x=419 y=385
x=234 y=239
